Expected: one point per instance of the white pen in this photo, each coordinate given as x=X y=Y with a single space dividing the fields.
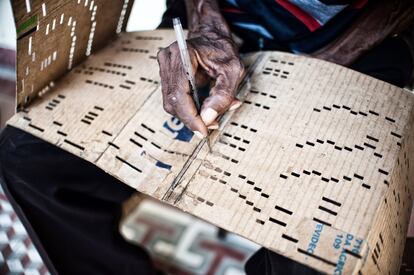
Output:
x=185 y=58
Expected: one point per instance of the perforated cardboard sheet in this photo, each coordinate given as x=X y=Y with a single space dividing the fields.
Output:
x=314 y=165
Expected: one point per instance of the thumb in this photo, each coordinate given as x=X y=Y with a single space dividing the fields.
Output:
x=221 y=99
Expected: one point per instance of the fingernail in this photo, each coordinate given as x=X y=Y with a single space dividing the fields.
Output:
x=208 y=115
x=213 y=126
x=198 y=134
x=235 y=106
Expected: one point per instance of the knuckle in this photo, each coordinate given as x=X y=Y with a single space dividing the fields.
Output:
x=171 y=99
x=168 y=108
x=161 y=54
x=238 y=68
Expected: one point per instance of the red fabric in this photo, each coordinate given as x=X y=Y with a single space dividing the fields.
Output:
x=304 y=17
x=358 y=4
x=232 y=10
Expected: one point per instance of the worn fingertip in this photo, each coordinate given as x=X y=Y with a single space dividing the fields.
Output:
x=208 y=115
x=199 y=134
x=213 y=126
x=235 y=104
x=199 y=128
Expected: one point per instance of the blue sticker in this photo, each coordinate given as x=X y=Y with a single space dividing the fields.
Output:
x=180 y=131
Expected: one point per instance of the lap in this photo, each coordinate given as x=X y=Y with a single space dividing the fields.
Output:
x=72 y=206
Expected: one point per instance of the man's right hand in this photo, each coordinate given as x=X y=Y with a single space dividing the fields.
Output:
x=214 y=56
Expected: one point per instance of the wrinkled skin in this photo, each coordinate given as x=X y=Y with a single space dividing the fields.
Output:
x=214 y=56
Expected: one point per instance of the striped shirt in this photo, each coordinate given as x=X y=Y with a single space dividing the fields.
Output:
x=289 y=25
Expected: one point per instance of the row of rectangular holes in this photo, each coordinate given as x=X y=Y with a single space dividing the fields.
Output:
x=340 y=148
x=353 y=112
x=236 y=138
x=217 y=179
x=126 y=86
x=232 y=145
x=209 y=203
x=250 y=182
x=85 y=72
x=176 y=153
x=152 y=143
x=99 y=84
x=335 y=203
x=261 y=194
x=243 y=126
x=217 y=169
x=135 y=50
x=148 y=80
x=257 y=104
x=281 y=61
x=88 y=118
x=107 y=71
x=114 y=65
x=377 y=248
x=269 y=69
x=148 y=38
x=52 y=104
x=275 y=74
x=263 y=94
x=330 y=179
x=250 y=203
x=228 y=158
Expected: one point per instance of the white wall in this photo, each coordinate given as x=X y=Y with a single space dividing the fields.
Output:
x=7 y=28
x=145 y=15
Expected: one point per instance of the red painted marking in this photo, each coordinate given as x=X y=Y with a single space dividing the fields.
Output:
x=154 y=229
x=220 y=252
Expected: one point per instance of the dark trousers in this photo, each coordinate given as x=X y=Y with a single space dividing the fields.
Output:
x=72 y=208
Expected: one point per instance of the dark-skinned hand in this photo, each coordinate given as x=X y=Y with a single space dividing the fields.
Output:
x=214 y=57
